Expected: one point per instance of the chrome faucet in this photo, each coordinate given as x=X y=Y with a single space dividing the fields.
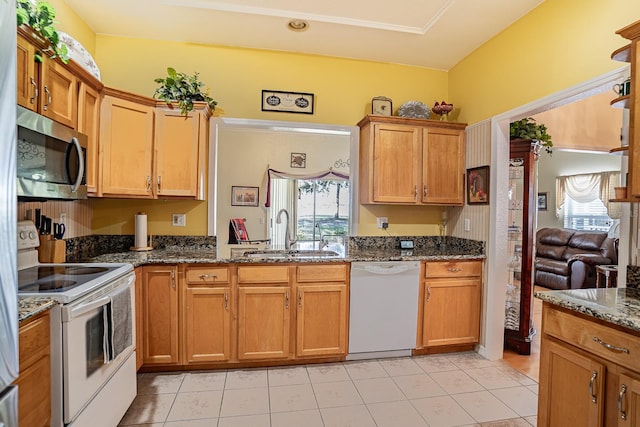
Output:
x=287 y=234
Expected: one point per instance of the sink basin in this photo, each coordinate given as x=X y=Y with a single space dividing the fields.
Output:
x=290 y=254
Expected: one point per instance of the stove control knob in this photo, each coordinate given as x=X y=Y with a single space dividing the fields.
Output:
x=32 y=235
x=23 y=235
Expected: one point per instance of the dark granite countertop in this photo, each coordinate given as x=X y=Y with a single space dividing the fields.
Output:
x=29 y=307
x=620 y=306
x=208 y=256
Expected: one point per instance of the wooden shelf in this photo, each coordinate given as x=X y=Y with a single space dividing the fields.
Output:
x=621 y=151
x=621 y=102
x=623 y=54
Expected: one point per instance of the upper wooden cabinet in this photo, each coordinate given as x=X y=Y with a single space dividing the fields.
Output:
x=631 y=54
x=411 y=161
x=89 y=124
x=48 y=88
x=181 y=151
x=148 y=150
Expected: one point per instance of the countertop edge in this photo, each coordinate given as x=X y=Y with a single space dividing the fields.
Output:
x=29 y=307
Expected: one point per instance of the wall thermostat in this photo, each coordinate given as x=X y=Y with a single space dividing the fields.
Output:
x=406 y=244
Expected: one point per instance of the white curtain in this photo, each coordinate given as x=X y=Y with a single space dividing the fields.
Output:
x=585 y=188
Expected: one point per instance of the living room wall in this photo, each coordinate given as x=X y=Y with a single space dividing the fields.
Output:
x=563 y=163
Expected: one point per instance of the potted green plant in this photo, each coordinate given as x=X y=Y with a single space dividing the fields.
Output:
x=40 y=17
x=183 y=89
x=528 y=128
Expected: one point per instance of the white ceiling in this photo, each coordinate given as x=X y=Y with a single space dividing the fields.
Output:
x=426 y=33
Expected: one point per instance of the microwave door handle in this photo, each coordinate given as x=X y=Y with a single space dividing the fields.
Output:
x=84 y=308
x=76 y=185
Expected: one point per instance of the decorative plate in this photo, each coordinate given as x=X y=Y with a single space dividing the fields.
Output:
x=78 y=53
x=414 y=109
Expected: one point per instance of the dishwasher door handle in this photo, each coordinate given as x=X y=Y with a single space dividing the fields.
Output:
x=382 y=268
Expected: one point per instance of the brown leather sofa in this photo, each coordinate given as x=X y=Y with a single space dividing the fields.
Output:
x=566 y=258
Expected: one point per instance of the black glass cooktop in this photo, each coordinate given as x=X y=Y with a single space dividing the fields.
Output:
x=58 y=278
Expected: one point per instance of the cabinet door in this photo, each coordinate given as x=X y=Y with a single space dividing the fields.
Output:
x=140 y=313
x=89 y=124
x=571 y=388
x=396 y=163
x=451 y=312
x=207 y=324
x=263 y=322
x=160 y=315
x=443 y=166
x=126 y=140
x=27 y=79
x=177 y=144
x=59 y=96
x=322 y=320
x=628 y=402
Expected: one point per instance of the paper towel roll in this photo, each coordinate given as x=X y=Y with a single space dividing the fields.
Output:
x=141 y=230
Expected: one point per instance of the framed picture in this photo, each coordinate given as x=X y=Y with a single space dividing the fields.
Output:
x=542 y=201
x=478 y=186
x=245 y=196
x=298 y=160
x=287 y=102
x=382 y=106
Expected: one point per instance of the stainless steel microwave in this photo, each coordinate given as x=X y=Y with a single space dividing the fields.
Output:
x=50 y=159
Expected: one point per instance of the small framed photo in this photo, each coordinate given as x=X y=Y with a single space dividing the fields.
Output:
x=287 y=102
x=381 y=105
x=542 y=201
x=298 y=160
x=245 y=196
x=478 y=186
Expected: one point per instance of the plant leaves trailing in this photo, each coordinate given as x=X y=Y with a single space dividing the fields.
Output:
x=41 y=17
x=183 y=89
x=528 y=128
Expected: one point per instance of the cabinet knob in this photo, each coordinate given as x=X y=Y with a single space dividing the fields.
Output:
x=148 y=183
x=48 y=93
x=623 y=391
x=159 y=181
x=592 y=381
x=35 y=91
x=208 y=276
x=424 y=191
x=226 y=301
x=454 y=270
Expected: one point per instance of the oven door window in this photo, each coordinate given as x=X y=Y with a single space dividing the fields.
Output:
x=95 y=343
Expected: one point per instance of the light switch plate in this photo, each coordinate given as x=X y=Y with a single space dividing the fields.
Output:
x=406 y=244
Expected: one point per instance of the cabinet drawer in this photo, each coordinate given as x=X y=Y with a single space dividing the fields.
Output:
x=263 y=274
x=202 y=275
x=322 y=273
x=585 y=334
x=452 y=268
x=33 y=340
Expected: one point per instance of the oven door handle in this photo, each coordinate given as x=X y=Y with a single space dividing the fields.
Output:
x=68 y=315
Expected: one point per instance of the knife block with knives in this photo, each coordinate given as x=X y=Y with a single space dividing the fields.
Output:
x=52 y=248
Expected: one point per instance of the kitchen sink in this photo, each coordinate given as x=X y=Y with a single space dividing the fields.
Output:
x=290 y=254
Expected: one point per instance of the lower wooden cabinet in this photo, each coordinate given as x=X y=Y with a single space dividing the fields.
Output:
x=589 y=372
x=34 y=382
x=450 y=305
x=264 y=322
x=140 y=336
x=207 y=324
x=321 y=326
x=160 y=299
x=225 y=314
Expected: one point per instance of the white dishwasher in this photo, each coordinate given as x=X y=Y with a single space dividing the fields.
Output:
x=383 y=312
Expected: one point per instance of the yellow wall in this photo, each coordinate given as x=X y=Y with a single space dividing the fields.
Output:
x=558 y=45
x=69 y=22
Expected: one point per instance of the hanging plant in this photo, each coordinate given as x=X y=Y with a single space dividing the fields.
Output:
x=527 y=128
x=183 y=89
x=40 y=16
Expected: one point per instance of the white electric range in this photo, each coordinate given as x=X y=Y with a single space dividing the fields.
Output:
x=93 y=372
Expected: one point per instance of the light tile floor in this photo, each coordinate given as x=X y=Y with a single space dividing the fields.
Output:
x=460 y=389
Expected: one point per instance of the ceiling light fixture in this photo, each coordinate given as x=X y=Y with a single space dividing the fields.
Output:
x=298 y=25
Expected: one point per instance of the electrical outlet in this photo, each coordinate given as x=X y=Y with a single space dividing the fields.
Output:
x=179 y=220
x=467 y=224
x=63 y=219
x=382 y=222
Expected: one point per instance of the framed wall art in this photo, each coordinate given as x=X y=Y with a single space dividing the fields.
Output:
x=542 y=201
x=298 y=160
x=478 y=186
x=245 y=196
x=287 y=102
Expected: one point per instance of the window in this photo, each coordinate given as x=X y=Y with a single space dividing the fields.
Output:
x=318 y=209
x=591 y=216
